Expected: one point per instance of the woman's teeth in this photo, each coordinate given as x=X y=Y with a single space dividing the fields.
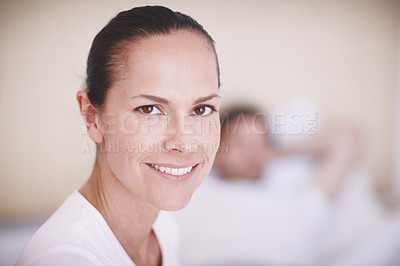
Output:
x=172 y=171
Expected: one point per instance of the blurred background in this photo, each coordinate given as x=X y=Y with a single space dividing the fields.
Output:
x=341 y=56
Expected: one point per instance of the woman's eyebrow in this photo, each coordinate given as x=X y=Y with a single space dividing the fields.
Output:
x=165 y=101
x=153 y=98
x=206 y=98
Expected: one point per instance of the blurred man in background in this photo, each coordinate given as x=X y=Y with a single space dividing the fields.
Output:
x=247 y=149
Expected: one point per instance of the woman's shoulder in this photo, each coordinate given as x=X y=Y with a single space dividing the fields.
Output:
x=75 y=231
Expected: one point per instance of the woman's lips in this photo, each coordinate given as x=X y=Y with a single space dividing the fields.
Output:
x=177 y=174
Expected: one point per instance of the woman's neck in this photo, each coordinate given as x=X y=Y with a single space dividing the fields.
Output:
x=130 y=218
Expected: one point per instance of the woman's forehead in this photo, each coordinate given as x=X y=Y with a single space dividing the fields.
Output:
x=169 y=64
x=178 y=46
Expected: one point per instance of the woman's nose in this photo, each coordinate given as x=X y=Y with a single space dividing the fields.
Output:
x=179 y=135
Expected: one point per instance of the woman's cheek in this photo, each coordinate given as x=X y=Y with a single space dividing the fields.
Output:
x=210 y=137
x=216 y=132
x=128 y=124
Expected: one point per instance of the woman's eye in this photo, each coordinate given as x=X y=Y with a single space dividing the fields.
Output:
x=149 y=110
x=203 y=110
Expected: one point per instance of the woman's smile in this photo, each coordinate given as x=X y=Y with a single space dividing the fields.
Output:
x=173 y=172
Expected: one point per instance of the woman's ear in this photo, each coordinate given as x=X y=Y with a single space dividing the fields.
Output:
x=89 y=113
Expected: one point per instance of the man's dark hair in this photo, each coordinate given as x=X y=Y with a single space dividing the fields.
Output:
x=228 y=114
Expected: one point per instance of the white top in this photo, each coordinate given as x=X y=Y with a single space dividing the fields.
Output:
x=77 y=234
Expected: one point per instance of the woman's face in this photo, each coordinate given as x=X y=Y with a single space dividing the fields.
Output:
x=160 y=120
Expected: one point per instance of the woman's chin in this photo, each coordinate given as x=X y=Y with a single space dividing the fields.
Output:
x=174 y=204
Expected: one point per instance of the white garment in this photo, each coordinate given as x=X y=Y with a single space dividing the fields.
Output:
x=77 y=234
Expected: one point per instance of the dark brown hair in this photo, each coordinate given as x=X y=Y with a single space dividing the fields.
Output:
x=138 y=22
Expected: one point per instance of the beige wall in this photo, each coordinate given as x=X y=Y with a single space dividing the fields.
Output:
x=341 y=54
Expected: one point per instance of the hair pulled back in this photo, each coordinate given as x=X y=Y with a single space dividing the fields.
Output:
x=138 y=22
